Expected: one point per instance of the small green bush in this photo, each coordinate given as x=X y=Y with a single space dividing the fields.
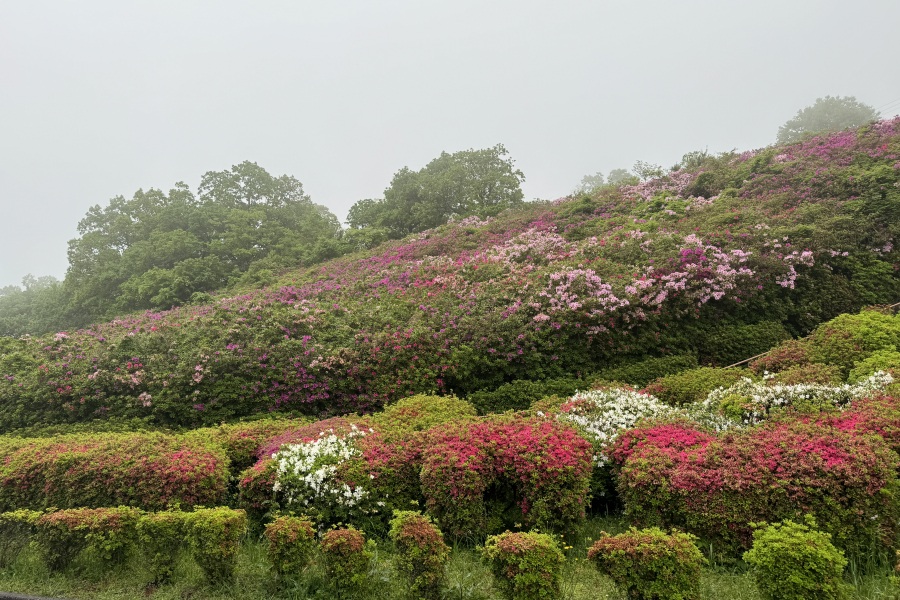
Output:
x=215 y=536
x=519 y=394
x=649 y=564
x=242 y=441
x=811 y=373
x=526 y=566
x=347 y=555
x=694 y=385
x=420 y=413
x=16 y=530
x=643 y=372
x=421 y=553
x=883 y=360
x=849 y=339
x=292 y=541
x=162 y=535
x=794 y=561
x=791 y=353
x=108 y=532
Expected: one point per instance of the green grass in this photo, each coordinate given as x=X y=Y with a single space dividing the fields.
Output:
x=467 y=577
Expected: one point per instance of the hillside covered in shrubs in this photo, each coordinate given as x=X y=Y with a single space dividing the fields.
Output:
x=704 y=266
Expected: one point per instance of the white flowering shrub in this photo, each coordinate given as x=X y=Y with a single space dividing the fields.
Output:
x=309 y=477
x=604 y=414
x=751 y=402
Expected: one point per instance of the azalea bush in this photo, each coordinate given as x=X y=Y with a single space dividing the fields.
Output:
x=62 y=535
x=650 y=564
x=215 y=536
x=162 y=535
x=677 y=475
x=16 y=530
x=526 y=566
x=537 y=471
x=750 y=402
x=291 y=545
x=691 y=386
x=795 y=561
x=347 y=557
x=148 y=470
x=421 y=553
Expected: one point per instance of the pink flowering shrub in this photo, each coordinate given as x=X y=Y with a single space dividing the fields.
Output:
x=146 y=470
x=674 y=475
x=542 y=467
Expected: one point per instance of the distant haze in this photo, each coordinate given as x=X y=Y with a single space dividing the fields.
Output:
x=100 y=98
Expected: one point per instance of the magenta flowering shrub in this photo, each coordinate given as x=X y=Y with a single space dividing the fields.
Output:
x=674 y=475
x=544 y=467
x=146 y=470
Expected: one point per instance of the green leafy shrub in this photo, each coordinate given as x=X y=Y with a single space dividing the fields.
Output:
x=526 y=566
x=849 y=339
x=519 y=394
x=16 y=530
x=794 y=561
x=291 y=543
x=108 y=532
x=642 y=372
x=420 y=413
x=887 y=360
x=811 y=373
x=215 y=536
x=421 y=553
x=347 y=555
x=694 y=385
x=649 y=564
x=729 y=344
x=148 y=470
x=162 y=536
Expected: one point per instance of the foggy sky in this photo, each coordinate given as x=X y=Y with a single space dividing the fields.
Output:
x=101 y=98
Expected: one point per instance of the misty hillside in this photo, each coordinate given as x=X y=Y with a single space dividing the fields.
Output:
x=712 y=263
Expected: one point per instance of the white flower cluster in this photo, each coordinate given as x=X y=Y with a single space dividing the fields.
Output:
x=604 y=414
x=307 y=471
x=759 y=399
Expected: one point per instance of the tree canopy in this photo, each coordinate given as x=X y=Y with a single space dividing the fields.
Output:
x=831 y=113
x=469 y=182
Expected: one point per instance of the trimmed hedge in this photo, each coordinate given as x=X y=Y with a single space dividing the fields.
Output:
x=675 y=475
x=347 y=556
x=291 y=543
x=642 y=372
x=16 y=530
x=649 y=564
x=147 y=470
x=526 y=566
x=421 y=553
x=242 y=441
x=62 y=535
x=215 y=536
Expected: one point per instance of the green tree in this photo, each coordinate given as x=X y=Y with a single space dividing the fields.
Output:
x=831 y=113
x=470 y=182
x=622 y=177
x=590 y=183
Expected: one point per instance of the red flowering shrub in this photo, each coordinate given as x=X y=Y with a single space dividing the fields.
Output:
x=255 y=494
x=291 y=544
x=148 y=470
x=673 y=475
x=878 y=414
x=62 y=535
x=541 y=467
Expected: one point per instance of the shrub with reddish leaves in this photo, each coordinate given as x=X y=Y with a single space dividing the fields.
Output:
x=878 y=414
x=541 y=468
x=421 y=553
x=148 y=470
x=292 y=541
x=346 y=555
x=792 y=353
x=649 y=564
x=674 y=475
x=62 y=535
x=255 y=493
x=526 y=566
